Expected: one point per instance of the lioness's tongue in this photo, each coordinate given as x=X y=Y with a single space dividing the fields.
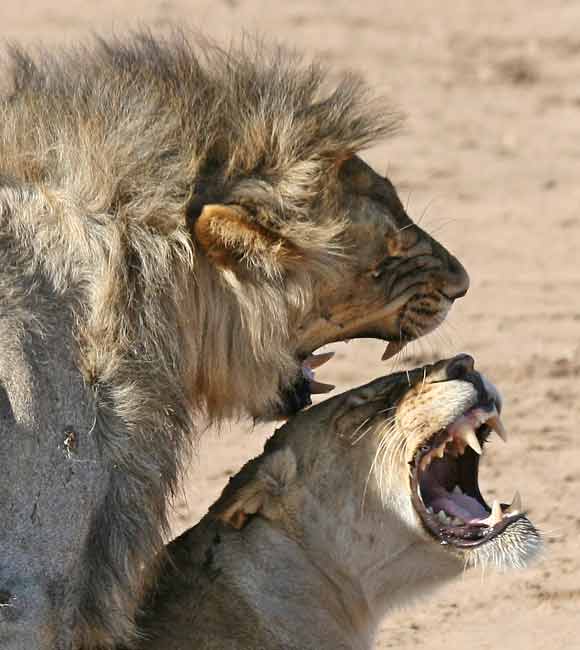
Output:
x=459 y=505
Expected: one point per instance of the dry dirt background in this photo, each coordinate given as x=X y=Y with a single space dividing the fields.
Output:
x=489 y=162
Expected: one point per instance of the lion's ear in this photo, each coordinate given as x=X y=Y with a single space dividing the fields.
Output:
x=231 y=238
x=257 y=492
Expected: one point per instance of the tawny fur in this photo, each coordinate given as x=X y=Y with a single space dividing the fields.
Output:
x=110 y=160
x=312 y=543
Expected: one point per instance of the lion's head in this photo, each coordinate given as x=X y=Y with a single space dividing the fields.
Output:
x=204 y=222
x=221 y=199
x=309 y=244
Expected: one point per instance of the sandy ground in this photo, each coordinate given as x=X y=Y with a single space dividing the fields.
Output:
x=489 y=162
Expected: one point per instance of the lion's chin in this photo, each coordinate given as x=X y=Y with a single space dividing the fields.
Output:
x=446 y=495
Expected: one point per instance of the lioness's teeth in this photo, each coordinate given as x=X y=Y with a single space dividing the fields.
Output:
x=393 y=347
x=317 y=387
x=443 y=517
x=457 y=490
x=495 y=423
x=496 y=512
x=468 y=434
x=515 y=506
x=495 y=517
x=317 y=360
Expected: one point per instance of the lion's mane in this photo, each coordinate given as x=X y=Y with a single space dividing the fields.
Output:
x=106 y=152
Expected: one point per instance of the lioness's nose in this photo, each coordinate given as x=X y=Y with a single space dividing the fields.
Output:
x=460 y=366
x=457 y=280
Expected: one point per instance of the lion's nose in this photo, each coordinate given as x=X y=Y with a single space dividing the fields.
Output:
x=457 y=280
x=460 y=366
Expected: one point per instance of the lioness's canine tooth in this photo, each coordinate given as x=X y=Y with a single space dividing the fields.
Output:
x=495 y=517
x=468 y=435
x=515 y=506
x=457 y=490
x=496 y=512
x=496 y=424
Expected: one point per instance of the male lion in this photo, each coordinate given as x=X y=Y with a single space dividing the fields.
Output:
x=356 y=505
x=179 y=231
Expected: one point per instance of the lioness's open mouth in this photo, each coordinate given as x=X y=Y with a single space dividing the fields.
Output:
x=444 y=480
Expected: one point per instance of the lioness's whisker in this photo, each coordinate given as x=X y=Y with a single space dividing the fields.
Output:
x=362 y=435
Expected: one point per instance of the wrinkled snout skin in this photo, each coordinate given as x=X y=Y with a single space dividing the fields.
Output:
x=399 y=282
x=50 y=483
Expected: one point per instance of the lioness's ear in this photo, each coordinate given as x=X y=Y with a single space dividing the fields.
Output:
x=230 y=236
x=258 y=491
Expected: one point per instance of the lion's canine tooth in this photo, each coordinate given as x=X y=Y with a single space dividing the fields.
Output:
x=317 y=387
x=317 y=360
x=440 y=451
x=393 y=347
x=457 y=490
x=496 y=424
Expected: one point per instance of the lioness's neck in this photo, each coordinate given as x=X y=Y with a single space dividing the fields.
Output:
x=261 y=587
x=253 y=588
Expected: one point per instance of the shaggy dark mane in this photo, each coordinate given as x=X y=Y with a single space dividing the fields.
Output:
x=147 y=118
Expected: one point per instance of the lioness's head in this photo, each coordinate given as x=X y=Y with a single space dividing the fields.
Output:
x=381 y=483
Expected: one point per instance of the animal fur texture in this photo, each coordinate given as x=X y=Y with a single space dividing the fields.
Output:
x=312 y=543
x=189 y=224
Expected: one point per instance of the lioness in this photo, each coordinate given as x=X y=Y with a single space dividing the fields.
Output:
x=356 y=505
x=180 y=229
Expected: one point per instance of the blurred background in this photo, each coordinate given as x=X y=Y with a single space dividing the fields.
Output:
x=489 y=163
